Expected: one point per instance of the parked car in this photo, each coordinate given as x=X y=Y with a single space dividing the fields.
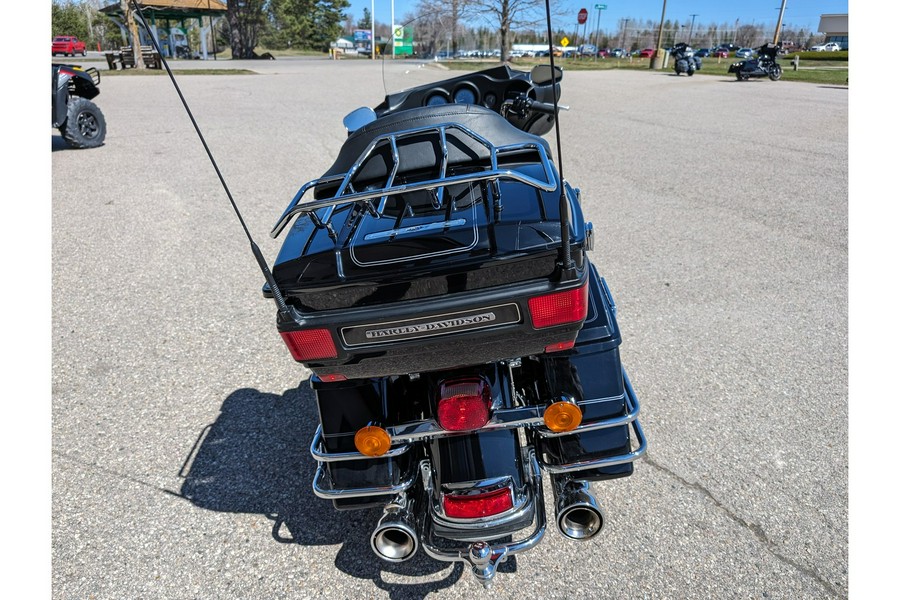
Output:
x=603 y=53
x=702 y=52
x=617 y=52
x=720 y=53
x=646 y=53
x=744 y=53
x=68 y=45
x=587 y=50
x=828 y=47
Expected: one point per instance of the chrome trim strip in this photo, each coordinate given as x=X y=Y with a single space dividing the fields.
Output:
x=391 y=233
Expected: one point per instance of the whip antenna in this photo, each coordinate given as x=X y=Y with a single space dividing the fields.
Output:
x=283 y=308
x=568 y=263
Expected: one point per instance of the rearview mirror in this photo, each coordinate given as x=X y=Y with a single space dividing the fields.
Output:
x=543 y=74
x=359 y=118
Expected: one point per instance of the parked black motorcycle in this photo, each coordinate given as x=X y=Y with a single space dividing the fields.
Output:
x=764 y=65
x=685 y=61
x=436 y=281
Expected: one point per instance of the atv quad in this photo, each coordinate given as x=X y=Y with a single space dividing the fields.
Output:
x=79 y=120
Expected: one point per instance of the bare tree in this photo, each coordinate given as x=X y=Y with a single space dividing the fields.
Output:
x=510 y=15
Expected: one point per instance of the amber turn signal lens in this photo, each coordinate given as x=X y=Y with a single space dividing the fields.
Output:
x=372 y=440
x=562 y=416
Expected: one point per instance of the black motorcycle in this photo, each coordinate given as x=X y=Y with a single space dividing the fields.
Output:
x=685 y=61
x=78 y=120
x=437 y=282
x=764 y=65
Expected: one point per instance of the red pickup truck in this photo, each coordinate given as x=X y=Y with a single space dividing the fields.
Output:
x=68 y=45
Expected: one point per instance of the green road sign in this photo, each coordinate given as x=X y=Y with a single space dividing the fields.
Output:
x=600 y=6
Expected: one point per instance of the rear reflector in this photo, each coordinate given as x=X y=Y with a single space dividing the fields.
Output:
x=309 y=344
x=473 y=506
x=333 y=377
x=557 y=347
x=557 y=309
x=464 y=404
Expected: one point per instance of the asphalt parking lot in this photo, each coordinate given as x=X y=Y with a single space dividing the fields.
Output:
x=181 y=426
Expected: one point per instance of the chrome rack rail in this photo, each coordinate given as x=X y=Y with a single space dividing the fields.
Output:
x=346 y=193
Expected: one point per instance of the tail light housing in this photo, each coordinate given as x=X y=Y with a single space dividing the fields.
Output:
x=464 y=404
x=559 y=308
x=309 y=344
x=474 y=506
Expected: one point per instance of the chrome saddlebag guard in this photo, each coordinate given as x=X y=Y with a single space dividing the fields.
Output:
x=592 y=375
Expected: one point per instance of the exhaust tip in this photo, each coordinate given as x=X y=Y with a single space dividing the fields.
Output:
x=580 y=522
x=394 y=543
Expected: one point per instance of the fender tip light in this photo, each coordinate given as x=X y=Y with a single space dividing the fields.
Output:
x=372 y=440
x=562 y=416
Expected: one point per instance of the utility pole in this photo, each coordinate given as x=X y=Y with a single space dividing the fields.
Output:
x=691 y=33
x=780 y=18
x=624 y=30
x=656 y=61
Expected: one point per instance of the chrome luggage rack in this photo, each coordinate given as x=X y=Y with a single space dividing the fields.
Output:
x=346 y=192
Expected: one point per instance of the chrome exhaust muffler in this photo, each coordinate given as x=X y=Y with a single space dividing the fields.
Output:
x=578 y=514
x=396 y=537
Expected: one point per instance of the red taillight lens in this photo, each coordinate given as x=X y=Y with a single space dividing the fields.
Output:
x=464 y=404
x=309 y=344
x=559 y=308
x=473 y=506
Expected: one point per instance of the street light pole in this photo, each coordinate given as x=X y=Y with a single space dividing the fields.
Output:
x=691 y=33
x=624 y=30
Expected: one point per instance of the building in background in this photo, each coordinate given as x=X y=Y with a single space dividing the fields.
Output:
x=836 y=29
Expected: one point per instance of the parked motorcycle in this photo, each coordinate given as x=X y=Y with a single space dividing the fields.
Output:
x=437 y=283
x=685 y=61
x=765 y=65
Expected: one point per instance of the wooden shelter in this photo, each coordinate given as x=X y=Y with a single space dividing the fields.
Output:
x=164 y=15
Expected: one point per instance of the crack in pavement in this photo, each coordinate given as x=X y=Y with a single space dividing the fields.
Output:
x=754 y=528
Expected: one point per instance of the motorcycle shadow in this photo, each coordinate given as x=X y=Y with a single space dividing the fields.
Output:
x=255 y=459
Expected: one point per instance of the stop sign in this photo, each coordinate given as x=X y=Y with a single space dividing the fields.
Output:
x=582 y=16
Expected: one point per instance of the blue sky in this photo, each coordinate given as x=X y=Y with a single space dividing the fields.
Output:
x=799 y=13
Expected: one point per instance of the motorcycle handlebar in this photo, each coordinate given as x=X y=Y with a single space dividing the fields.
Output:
x=542 y=107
